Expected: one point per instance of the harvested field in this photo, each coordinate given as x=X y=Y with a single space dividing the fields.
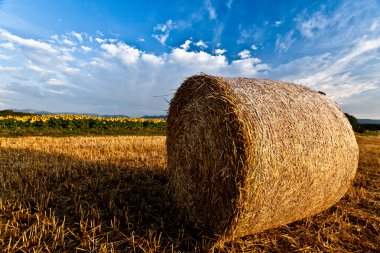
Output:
x=110 y=194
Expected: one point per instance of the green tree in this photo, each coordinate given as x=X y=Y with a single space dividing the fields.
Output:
x=354 y=123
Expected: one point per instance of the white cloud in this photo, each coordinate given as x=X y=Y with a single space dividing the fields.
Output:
x=220 y=51
x=161 y=37
x=100 y=41
x=68 y=42
x=78 y=36
x=201 y=44
x=374 y=26
x=277 y=23
x=215 y=64
x=168 y=26
x=198 y=60
x=29 y=43
x=57 y=92
x=340 y=75
x=114 y=78
x=55 y=82
x=65 y=57
x=68 y=70
x=141 y=40
x=185 y=46
x=245 y=54
x=5 y=57
x=254 y=47
x=361 y=48
x=340 y=65
x=6 y=91
x=40 y=71
x=340 y=28
x=210 y=9
x=125 y=53
x=7 y=69
x=7 y=45
x=86 y=49
x=315 y=24
x=253 y=33
x=165 y=30
x=283 y=43
x=152 y=59
x=218 y=31
x=365 y=105
x=248 y=67
x=340 y=54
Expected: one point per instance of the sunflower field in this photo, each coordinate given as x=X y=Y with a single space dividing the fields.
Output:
x=77 y=124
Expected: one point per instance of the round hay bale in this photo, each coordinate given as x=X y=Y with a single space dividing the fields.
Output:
x=246 y=155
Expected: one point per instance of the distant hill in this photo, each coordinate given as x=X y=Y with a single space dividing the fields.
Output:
x=111 y=116
x=13 y=113
x=154 y=116
x=369 y=121
x=30 y=111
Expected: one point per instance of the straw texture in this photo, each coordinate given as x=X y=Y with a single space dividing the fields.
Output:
x=246 y=155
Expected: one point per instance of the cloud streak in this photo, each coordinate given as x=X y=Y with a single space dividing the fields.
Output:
x=28 y=43
x=211 y=9
x=341 y=75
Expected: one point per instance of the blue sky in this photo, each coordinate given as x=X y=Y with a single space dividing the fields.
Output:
x=128 y=57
